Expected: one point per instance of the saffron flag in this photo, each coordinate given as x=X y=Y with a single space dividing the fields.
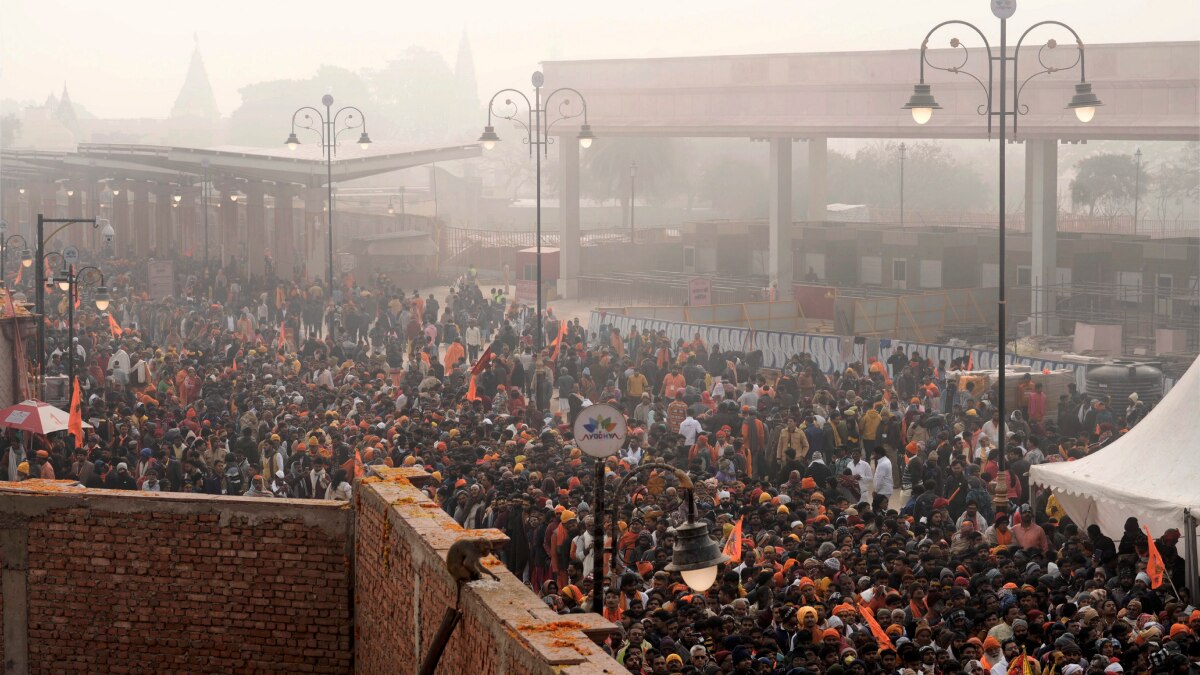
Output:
x=234 y=367
x=282 y=333
x=880 y=635
x=115 y=327
x=484 y=359
x=562 y=334
x=472 y=395
x=733 y=547
x=1154 y=566
x=75 y=423
x=17 y=281
x=970 y=361
x=358 y=464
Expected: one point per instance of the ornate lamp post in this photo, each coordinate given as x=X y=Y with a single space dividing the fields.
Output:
x=326 y=126
x=538 y=119
x=922 y=105
x=69 y=280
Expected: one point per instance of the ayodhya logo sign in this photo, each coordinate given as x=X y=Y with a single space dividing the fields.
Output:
x=600 y=428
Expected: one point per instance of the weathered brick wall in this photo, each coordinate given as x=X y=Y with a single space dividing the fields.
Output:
x=153 y=583
x=403 y=590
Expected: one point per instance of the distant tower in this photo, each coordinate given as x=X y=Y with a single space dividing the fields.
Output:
x=66 y=112
x=466 y=86
x=194 y=117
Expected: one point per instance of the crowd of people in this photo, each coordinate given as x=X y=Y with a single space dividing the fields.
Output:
x=880 y=516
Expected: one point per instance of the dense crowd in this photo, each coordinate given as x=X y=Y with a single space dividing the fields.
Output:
x=882 y=514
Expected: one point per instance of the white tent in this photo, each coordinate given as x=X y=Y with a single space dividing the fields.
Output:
x=1151 y=473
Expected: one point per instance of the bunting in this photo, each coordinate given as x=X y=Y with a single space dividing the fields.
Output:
x=733 y=547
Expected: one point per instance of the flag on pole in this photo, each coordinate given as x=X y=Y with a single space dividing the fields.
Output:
x=115 y=327
x=881 y=636
x=472 y=395
x=970 y=361
x=733 y=547
x=1154 y=566
x=75 y=423
x=358 y=464
x=484 y=359
x=282 y=333
x=562 y=334
x=20 y=269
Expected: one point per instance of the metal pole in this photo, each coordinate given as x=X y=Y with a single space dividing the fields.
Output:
x=329 y=143
x=71 y=291
x=598 y=541
x=1137 y=188
x=1001 y=333
x=632 y=198
x=902 y=150
x=3 y=255
x=39 y=281
x=539 y=140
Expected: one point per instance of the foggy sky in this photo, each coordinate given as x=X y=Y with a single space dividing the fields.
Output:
x=128 y=58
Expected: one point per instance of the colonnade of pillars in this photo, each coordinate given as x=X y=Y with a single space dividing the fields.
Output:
x=149 y=222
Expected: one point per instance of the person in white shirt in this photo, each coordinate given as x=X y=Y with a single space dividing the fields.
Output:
x=881 y=484
x=689 y=428
x=474 y=341
x=861 y=469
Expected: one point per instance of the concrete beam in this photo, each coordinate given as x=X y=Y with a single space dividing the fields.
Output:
x=818 y=179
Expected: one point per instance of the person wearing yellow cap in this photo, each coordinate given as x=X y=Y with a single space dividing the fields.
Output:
x=560 y=546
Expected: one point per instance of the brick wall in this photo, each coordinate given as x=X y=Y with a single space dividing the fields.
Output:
x=403 y=589
x=139 y=581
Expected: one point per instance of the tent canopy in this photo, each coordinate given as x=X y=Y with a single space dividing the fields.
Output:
x=1151 y=473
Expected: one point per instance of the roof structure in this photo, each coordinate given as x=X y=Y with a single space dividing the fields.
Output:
x=196 y=97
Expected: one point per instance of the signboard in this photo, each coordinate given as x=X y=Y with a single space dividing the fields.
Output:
x=699 y=292
x=600 y=430
x=70 y=254
x=161 y=276
x=526 y=290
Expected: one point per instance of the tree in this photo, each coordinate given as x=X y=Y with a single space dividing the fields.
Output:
x=1105 y=183
x=1176 y=184
x=265 y=116
x=419 y=96
x=608 y=163
x=10 y=128
x=932 y=179
x=737 y=188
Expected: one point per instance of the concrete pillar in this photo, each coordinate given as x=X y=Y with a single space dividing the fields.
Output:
x=186 y=241
x=818 y=179
x=283 y=245
x=256 y=229
x=313 y=233
x=569 y=258
x=12 y=209
x=228 y=216
x=779 y=241
x=164 y=220
x=122 y=227
x=1041 y=220
x=141 y=219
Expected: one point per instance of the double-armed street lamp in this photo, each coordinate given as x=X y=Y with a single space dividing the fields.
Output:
x=69 y=280
x=922 y=104
x=537 y=117
x=326 y=127
x=6 y=243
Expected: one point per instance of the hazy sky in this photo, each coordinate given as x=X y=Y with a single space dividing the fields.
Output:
x=128 y=58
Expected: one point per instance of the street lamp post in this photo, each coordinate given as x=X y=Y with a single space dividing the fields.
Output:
x=68 y=280
x=903 y=151
x=328 y=133
x=695 y=555
x=1137 y=188
x=6 y=243
x=40 y=278
x=204 y=198
x=922 y=104
x=537 y=124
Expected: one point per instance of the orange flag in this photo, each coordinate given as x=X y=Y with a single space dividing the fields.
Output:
x=17 y=281
x=472 y=395
x=880 y=635
x=234 y=364
x=1154 y=566
x=115 y=327
x=75 y=423
x=358 y=464
x=970 y=361
x=562 y=333
x=282 y=333
x=733 y=547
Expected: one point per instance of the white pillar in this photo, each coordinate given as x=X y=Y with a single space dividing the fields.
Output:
x=818 y=178
x=779 y=241
x=1041 y=220
x=568 y=156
